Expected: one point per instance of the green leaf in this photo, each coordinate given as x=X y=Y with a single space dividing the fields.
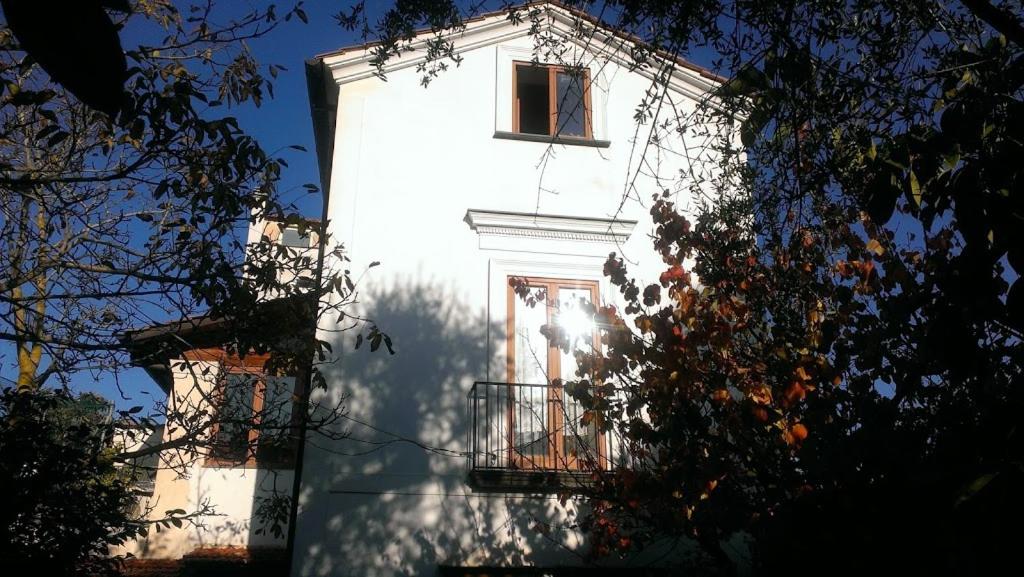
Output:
x=880 y=197
x=952 y=159
x=974 y=488
x=57 y=138
x=748 y=80
x=47 y=130
x=754 y=124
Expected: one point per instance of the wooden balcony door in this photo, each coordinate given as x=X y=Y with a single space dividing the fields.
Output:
x=545 y=425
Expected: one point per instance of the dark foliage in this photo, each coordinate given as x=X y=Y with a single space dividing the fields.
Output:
x=51 y=32
x=65 y=501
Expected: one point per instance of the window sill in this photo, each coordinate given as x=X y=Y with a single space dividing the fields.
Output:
x=528 y=481
x=567 y=140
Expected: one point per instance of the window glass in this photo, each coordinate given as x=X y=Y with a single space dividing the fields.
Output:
x=275 y=419
x=531 y=370
x=234 y=418
x=570 y=105
x=547 y=423
x=291 y=237
x=579 y=328
x=533 y=99
x=253 y=424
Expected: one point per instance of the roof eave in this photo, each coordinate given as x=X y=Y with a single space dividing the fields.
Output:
x=338 y=61
x=323 y=109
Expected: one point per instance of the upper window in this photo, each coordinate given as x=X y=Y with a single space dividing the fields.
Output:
x=254 y=420
x=292 y=238
x=551 y=100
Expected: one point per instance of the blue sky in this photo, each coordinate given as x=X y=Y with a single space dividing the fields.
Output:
x=285 y=120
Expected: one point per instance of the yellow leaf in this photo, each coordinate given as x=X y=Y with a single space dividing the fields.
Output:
x=876 y=247
x=915 y=188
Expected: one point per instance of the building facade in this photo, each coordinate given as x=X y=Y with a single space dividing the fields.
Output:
x=514 y=164
x=459 y=453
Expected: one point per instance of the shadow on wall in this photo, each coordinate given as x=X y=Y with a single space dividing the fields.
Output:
x=231 y=522
x=391 y=499
x=270 y=507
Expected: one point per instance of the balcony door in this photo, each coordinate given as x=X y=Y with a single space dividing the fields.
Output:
x=545 y=423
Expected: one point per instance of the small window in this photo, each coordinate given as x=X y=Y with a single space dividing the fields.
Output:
x=292 y=238
x=254 y=421
x=551 y=101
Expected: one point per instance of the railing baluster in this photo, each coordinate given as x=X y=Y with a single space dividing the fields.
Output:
x=517 y=427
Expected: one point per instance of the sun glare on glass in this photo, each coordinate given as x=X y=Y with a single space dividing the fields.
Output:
x=574 y=321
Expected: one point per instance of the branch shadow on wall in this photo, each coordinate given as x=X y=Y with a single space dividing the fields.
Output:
x=391 y=499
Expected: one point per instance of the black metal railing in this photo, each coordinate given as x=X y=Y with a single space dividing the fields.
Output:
x=519 y=426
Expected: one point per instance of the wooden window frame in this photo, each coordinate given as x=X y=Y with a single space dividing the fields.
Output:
x=553 y=70
x=248 y=365
x=556 y=457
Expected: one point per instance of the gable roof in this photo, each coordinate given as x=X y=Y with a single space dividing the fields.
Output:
x=558 y=9
x=325 y=72
x=152 y=348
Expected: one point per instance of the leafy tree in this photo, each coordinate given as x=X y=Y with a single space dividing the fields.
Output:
x=55 y=446
x=831 y=361
x=114 y=222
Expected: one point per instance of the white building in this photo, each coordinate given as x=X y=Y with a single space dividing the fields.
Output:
x=508 y=165
x=513 y=164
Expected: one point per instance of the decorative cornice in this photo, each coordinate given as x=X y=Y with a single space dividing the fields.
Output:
x=549 y=227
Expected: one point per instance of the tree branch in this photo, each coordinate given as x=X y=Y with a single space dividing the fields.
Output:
x=1004 y=22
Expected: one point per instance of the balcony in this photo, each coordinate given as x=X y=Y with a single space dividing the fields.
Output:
x=532 y=437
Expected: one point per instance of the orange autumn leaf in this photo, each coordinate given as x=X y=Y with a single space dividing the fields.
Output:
x=799 y=431
x=802 y=374
x=795 y=392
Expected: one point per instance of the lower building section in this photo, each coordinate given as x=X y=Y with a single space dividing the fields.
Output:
x=446 y=571
x=214 y=562
x=399 y=523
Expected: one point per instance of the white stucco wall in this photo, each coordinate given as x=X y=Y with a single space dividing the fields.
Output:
x=408 y=164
